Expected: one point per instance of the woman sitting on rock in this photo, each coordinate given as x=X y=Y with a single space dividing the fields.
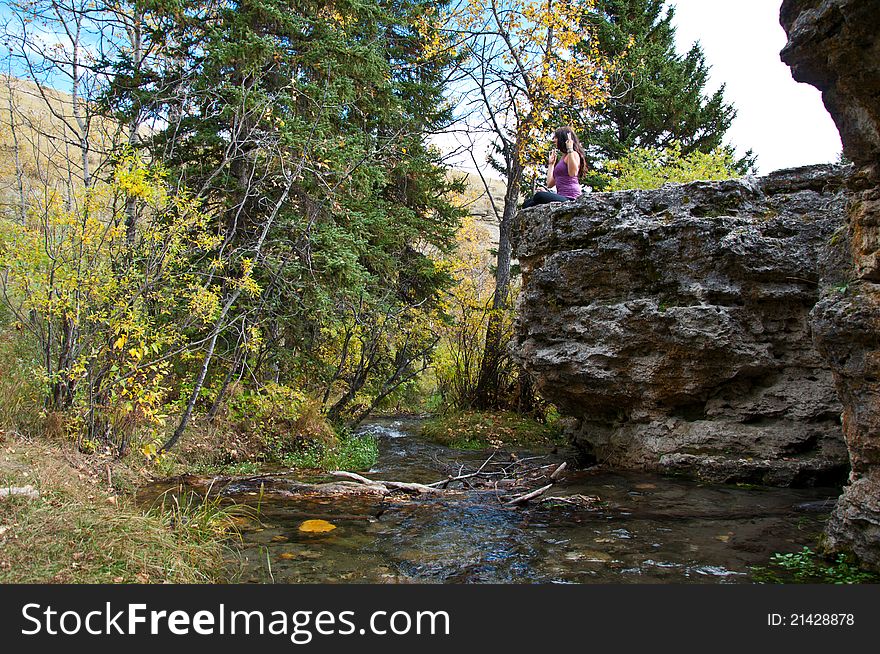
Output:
x=565 y=174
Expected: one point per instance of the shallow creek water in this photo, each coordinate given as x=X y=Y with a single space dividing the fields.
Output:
x=643 y=528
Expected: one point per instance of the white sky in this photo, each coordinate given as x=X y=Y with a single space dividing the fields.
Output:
x=784 y=122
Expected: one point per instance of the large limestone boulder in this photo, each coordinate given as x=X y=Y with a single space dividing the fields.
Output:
x=835 y=46
x=673 y=325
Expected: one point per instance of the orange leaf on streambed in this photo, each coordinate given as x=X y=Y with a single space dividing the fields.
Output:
x=316 y=526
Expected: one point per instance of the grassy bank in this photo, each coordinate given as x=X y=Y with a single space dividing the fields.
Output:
x=86 y=528
x=275 y=428
x=477 y=430
x=216 y=449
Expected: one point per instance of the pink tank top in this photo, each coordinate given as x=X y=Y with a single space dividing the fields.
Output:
x=566 y=185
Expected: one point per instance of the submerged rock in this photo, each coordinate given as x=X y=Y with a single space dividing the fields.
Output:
x=835 y=46
x=674 y=325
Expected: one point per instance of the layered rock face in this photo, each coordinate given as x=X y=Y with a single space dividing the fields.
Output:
x=835 y=45
x=674 y=325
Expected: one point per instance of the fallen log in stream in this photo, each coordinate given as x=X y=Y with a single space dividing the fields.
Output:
x=442 y=486
x=514 y=483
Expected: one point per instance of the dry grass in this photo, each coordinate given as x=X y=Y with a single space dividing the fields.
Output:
x=83 y=530
x=19 y=386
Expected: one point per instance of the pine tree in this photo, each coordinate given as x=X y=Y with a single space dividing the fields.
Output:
x=656 y=96
x=302 y=125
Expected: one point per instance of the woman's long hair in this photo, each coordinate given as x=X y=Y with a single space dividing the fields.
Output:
x=561 y=135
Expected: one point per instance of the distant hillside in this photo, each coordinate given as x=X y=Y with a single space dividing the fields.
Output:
x=39 y=123
x=478 y=201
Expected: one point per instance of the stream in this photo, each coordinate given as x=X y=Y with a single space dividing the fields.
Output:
x=641 y=528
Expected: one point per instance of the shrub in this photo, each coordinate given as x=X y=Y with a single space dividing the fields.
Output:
x=351 y=452
x=107 y=316
x=649 y=168
x=284 y=419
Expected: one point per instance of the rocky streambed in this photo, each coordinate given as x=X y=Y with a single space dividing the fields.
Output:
x=598 y=526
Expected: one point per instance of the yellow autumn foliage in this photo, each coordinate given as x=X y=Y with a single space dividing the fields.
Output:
x=99 y=306
x=468 y=307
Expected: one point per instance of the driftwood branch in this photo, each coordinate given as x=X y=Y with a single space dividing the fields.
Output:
x=554 y=476
x=575 y=500
x=525 y=497
x=553 y=473
x=444 y=482
x=360 y=479
x=396 y=485
x=512 y=475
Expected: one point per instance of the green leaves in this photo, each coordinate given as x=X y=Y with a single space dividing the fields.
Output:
x=333 y=99
x=108 y=314
x=269 y=194
x=648 y=168
x=808 y=567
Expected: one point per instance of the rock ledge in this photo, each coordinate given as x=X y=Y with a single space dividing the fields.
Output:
x=673 y=326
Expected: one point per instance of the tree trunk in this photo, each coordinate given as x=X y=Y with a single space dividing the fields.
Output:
x=194 y=396
x=486 y=393
x=221 y=394
x=19 y=169
x=526 y=392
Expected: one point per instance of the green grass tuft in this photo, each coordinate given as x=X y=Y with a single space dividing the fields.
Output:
x=352 y=452
x=476 y=430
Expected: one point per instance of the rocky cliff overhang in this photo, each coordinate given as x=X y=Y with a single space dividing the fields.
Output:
x=673 y=325
x=835 y=46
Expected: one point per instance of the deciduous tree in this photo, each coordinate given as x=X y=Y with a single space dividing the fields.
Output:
x=524 y=63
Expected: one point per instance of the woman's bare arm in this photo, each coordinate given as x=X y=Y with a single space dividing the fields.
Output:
x=551 y=163
x=573 y=161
